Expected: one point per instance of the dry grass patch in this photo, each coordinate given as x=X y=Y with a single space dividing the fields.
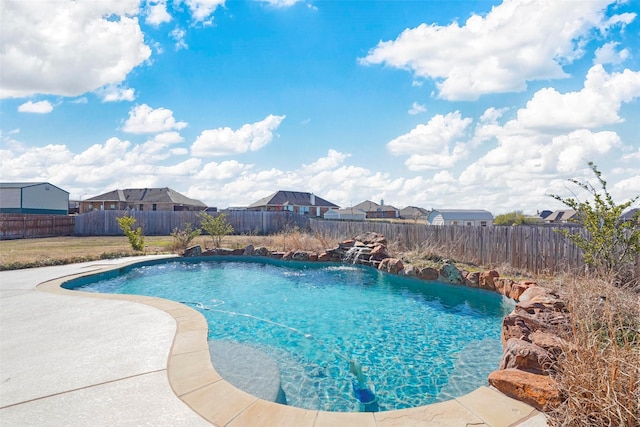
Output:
x=599 y=373
x=28 y=253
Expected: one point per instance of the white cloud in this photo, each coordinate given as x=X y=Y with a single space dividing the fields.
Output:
x=516 y=42
x=281 y=3
x=607 y=54
x=417 y=109
x=201 y=10
x=429 y=145
x=156 y=12
x=491 y=115
x=68 y=47
x=178 y=35
x=331 y=161
x=634 y=156
x=229 y=169
x=112 y=150
x=249 y=137
x=597 y=104
x=116 y=93
x=158 y=148
x=40 y=107
x=568 y=153
x=82 y=100
x=182 y=169
x=144 y=119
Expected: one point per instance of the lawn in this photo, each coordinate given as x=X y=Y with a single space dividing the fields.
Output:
x=26 y=253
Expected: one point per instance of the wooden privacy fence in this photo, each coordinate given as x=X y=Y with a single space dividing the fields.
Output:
x=20 y=226
x=161 y=223
x=539 y=250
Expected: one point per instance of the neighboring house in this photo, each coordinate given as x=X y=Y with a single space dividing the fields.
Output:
x=568 y=216
x=33 y=198
x=142 y=199
x=630 y=214
x=346 y=214
x=374 y=210
x=413 y=212
x=293 y=201
x=545 y=213
x=460 y=217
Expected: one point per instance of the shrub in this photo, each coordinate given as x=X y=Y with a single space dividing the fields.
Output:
x=612 y=245
x=136 y=237
x=512 y=218
x=182 y=238
x=217 y=227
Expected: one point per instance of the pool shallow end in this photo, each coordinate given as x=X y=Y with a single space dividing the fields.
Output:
x=195 y=381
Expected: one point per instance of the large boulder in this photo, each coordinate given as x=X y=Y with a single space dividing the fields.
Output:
x=449 y=273
x=262 y=251
x=503 y=286
x=379 y=252
x=517 y=289
x=391 y=265
x=192 y=251
x=473 y=279
x=526 y=356
x=552 y=343
x=300 y=256
x=428 y=273
x=324 y=256
x=539 y=391
x=371 y=238
x=409 y=271
x=487 y=280
x=534 y=292
x=518 y=326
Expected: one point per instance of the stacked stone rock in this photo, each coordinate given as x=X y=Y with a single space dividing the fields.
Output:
x=531 y=333
x=532 y=343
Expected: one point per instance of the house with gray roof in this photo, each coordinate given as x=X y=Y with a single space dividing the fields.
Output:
x=346 y=214
x=566 y=216
x=374 y=210
x=414 y=213
x=631 y=215
x=142 y=199
x=33 y=198
x=477 y=217
x=293 y=201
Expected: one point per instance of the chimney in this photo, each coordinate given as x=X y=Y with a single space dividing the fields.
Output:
x=312 y=199
x=381 y=202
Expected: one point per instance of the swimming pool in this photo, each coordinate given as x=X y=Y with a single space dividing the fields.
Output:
x=417 y=342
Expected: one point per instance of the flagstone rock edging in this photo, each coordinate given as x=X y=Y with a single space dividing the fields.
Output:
x=531 y=333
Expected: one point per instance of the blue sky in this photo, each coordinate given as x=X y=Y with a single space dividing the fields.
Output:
x=438 y=104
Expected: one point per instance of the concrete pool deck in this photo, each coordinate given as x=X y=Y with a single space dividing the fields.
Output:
x=75 y=359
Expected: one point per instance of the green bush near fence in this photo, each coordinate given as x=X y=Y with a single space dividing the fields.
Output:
x=135 y=236
x=182 y=237
x=612 y=246
x=216 y=226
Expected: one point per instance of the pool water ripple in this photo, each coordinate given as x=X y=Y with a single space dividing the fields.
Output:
x=417 y=342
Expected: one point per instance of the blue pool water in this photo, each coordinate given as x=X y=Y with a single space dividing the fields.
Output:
x=417 y=342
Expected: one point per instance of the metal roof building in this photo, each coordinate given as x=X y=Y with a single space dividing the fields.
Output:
x=33 y=198
x=476 y=217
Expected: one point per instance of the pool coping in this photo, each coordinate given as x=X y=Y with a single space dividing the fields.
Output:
x=194 y=380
